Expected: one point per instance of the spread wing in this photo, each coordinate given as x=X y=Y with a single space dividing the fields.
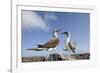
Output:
x=35 y=49
x=71 y=47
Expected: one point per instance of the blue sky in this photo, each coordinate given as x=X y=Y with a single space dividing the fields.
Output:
x=37 y=28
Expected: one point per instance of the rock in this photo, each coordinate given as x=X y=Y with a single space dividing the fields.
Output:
x=81 y=56
x=57 y=57
x=54 y=57
x=33 y=59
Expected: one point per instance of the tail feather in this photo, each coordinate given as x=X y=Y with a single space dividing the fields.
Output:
x=73 y=51
x=40 y=46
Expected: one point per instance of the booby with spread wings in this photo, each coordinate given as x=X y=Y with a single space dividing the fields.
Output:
x=68 y=46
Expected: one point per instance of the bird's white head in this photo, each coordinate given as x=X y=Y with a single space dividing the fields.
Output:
x=66 y=33
x=68 y=36
x=55 y=33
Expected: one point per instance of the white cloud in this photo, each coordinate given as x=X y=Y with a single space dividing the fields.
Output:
x=32 y=20
x=49 y=16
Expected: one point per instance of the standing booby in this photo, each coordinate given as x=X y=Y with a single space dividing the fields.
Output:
x=68 y=46
x=51 y=44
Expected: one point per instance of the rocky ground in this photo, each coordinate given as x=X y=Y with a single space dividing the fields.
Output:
x=57 y=57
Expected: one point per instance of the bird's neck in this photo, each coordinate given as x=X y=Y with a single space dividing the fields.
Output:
x=55 y=35
x=68 y=39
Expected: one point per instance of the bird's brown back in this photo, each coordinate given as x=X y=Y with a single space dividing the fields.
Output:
x=51 y=44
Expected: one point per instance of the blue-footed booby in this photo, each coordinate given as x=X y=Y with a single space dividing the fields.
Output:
x=51 y=44
x=68 y=46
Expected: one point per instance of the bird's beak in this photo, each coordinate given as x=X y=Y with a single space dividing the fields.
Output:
x=58 y=30
x=62 y=33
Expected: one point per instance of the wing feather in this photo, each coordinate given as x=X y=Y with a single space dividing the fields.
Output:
x=51 y=44
x=35 y=49
x=71 y=47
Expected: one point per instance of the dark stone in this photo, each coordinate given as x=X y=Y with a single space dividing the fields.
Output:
x=54 y=57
